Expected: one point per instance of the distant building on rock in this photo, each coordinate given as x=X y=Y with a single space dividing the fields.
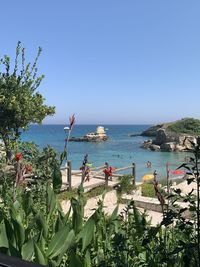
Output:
x=98 y=136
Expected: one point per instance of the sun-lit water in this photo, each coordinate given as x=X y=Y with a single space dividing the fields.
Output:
x=119 y=151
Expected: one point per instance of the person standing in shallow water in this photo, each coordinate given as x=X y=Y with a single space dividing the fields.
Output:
x=148 y=164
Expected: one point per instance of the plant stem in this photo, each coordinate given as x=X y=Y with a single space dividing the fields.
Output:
x=198 y=207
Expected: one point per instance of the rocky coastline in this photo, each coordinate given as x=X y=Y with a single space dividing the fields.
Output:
x=166 y=140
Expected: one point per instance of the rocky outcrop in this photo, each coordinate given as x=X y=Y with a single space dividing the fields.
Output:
x=98 y=136
x=88 y=139
x=169 y=141
x=152 y=131
x=134 y=135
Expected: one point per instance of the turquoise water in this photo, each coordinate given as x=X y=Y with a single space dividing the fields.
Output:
x=119 y=151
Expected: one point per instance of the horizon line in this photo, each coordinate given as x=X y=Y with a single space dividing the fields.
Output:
x=94 y=124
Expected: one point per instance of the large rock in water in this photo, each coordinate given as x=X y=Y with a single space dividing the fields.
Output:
x=163 y=136
x=166 y=140
x=153 y=147
x=171 y=146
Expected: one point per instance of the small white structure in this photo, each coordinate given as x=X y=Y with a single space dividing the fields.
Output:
x=100 y=131
x=99 y=134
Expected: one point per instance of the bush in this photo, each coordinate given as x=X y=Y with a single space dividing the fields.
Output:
x=187 y=126
x=125 y=185
x=148 y=190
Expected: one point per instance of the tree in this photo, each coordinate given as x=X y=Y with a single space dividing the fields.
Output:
x=20 y=102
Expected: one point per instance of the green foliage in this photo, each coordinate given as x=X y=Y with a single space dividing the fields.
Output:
x=186 y=126
x=20 y=103
x=33 y=227
x=44 y=162
x=148 y=189
x=94 y=192
x=126 y=184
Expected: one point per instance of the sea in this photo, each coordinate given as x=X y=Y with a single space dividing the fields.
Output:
x=119 y=150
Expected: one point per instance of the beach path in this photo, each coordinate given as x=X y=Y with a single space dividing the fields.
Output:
x=94 y=181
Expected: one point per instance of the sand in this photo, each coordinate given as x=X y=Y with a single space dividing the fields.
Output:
x=110 y=203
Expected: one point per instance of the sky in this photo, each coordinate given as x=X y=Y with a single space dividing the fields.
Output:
x=110 y=61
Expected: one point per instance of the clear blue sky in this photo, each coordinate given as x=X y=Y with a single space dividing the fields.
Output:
x=111 y=61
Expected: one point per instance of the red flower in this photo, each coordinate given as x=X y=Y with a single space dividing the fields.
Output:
x=71 y=121
x=28 y=168
x=18 y=156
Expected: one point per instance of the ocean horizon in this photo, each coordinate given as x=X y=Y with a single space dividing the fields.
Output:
x=119 y=150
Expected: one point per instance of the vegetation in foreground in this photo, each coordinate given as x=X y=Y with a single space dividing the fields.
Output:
x=33 y=227
x=32 y=224
x=20 y=102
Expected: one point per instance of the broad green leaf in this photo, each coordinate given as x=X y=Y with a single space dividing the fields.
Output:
x=39 y=255
x=41 y=241
x=13 y=251
x=142 y=257
x=27 y=202
x=51 y=200
x=57 y=179
x=3 y=236
x=68 y=214
x=87 y=262
x=114 y=214
x=63 y=156
x=138 y=221
x=61 y=221
x=61 y=240
x=70 y=241
x=77 y=215
x=52 y=264
x=42 y=224
x=10 y=232
x=19 y=233
x=75 y=261
x=14 y=211
x=87 y=232
x=28 y=250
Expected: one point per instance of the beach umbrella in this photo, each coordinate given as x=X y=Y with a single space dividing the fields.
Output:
x=178 y=172
x=147 y=177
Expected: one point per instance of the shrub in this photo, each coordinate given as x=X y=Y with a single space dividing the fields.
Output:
x=187 y=126
x=125 y=185
x=148 y=190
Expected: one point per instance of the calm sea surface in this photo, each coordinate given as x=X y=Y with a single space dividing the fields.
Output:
x=119 y=151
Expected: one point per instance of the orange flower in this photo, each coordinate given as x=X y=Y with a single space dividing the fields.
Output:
x=28 y=168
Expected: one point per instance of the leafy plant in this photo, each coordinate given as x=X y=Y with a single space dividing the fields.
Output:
x=20 y=103
x=148 y=189
x=186 y=125
x=126 y=184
